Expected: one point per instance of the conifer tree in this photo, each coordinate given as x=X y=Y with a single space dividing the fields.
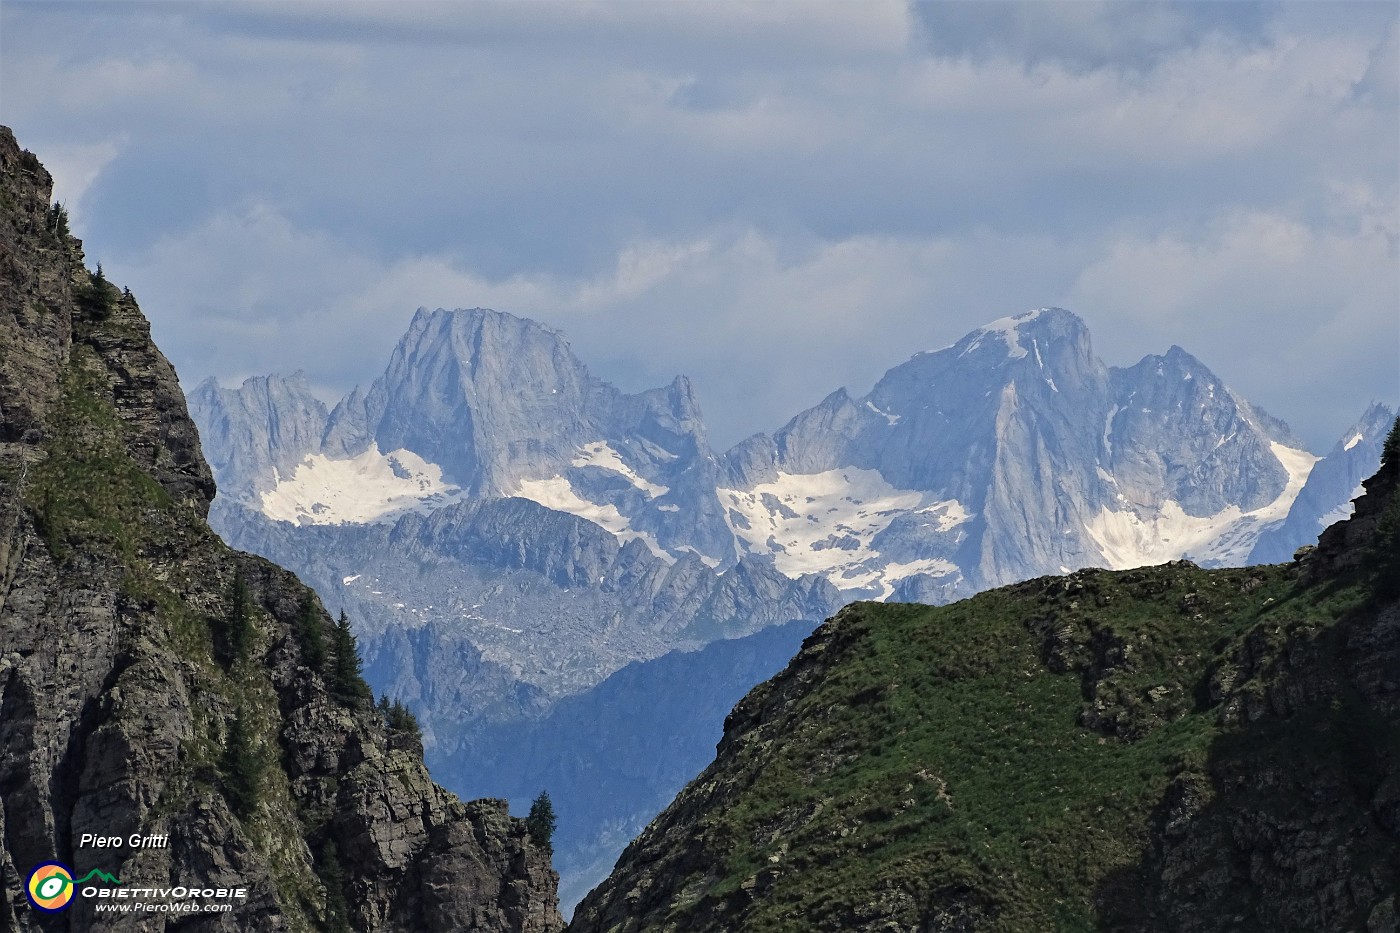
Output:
x=241 y=767
x=345 y=681
x=333 y=877
x=309 y=634
x=399 y=718
x=1385 y=545
x=240 y=619
x=540 y=822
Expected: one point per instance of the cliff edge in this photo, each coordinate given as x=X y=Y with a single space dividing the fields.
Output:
x=176 y=716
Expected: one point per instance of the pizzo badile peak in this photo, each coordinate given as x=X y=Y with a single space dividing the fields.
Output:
x=177 y=716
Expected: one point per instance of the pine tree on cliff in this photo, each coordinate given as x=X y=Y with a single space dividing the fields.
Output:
x=1385 y=546
x=242 y=768
x=240 y=619
x=344 y=680
x=309 y=634
x=399 y=718
x=541 y=821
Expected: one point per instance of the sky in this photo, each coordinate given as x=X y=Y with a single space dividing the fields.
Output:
x=773 y=198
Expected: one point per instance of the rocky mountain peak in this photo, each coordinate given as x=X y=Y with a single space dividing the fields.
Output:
x=1025 y=336
x=259 y=431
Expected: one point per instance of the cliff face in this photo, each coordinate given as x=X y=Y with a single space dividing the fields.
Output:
x=1162 y=749
x=155 y=683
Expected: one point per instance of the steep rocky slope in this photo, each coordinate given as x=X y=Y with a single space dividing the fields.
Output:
x=155 y=682
x=1159 y=749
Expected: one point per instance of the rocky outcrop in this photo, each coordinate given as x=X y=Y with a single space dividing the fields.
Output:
x=1293 y=820
x=155 y=683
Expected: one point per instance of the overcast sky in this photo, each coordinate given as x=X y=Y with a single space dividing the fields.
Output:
x=775 y=199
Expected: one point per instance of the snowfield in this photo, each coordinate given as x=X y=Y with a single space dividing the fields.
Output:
x=825 y=523
x=371 y=487
x=1128 y=539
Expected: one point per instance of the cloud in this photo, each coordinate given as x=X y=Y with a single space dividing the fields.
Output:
x=74 y=169
x=1301 y=319
x=774 y=203
x=766 y=326
x=1086 y=34
x=763 y=327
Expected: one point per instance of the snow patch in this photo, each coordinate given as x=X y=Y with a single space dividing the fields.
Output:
x=601 y=454
x=1007 y=328
x=1355 y=439
x=1343 y=511
x=949 y=513
x=825 y=522
x=892 y=419
x=556 y=493
x=1108 y=430
x=370 y=487
x=349 y=580
x=1129 y=539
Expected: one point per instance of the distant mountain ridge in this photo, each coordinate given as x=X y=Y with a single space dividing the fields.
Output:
x=1013 y=452
x=507 y=530
x=1330 y=489
x=474 y=404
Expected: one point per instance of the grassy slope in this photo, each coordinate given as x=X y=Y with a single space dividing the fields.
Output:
x=946 y=754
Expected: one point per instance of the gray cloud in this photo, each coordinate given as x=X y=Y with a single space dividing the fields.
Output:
x=1086 y=34
x=775 y=199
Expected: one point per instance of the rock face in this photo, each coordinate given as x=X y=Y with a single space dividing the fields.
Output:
x=1162 y=749
x=1332 y=485
x=155 y=682
x=1015 y=452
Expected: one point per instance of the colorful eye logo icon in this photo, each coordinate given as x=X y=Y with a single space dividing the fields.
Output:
x=50 y=887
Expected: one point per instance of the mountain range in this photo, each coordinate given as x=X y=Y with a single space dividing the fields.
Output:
x=507 y=531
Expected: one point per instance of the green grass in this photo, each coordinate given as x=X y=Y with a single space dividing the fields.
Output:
x=944 y=751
